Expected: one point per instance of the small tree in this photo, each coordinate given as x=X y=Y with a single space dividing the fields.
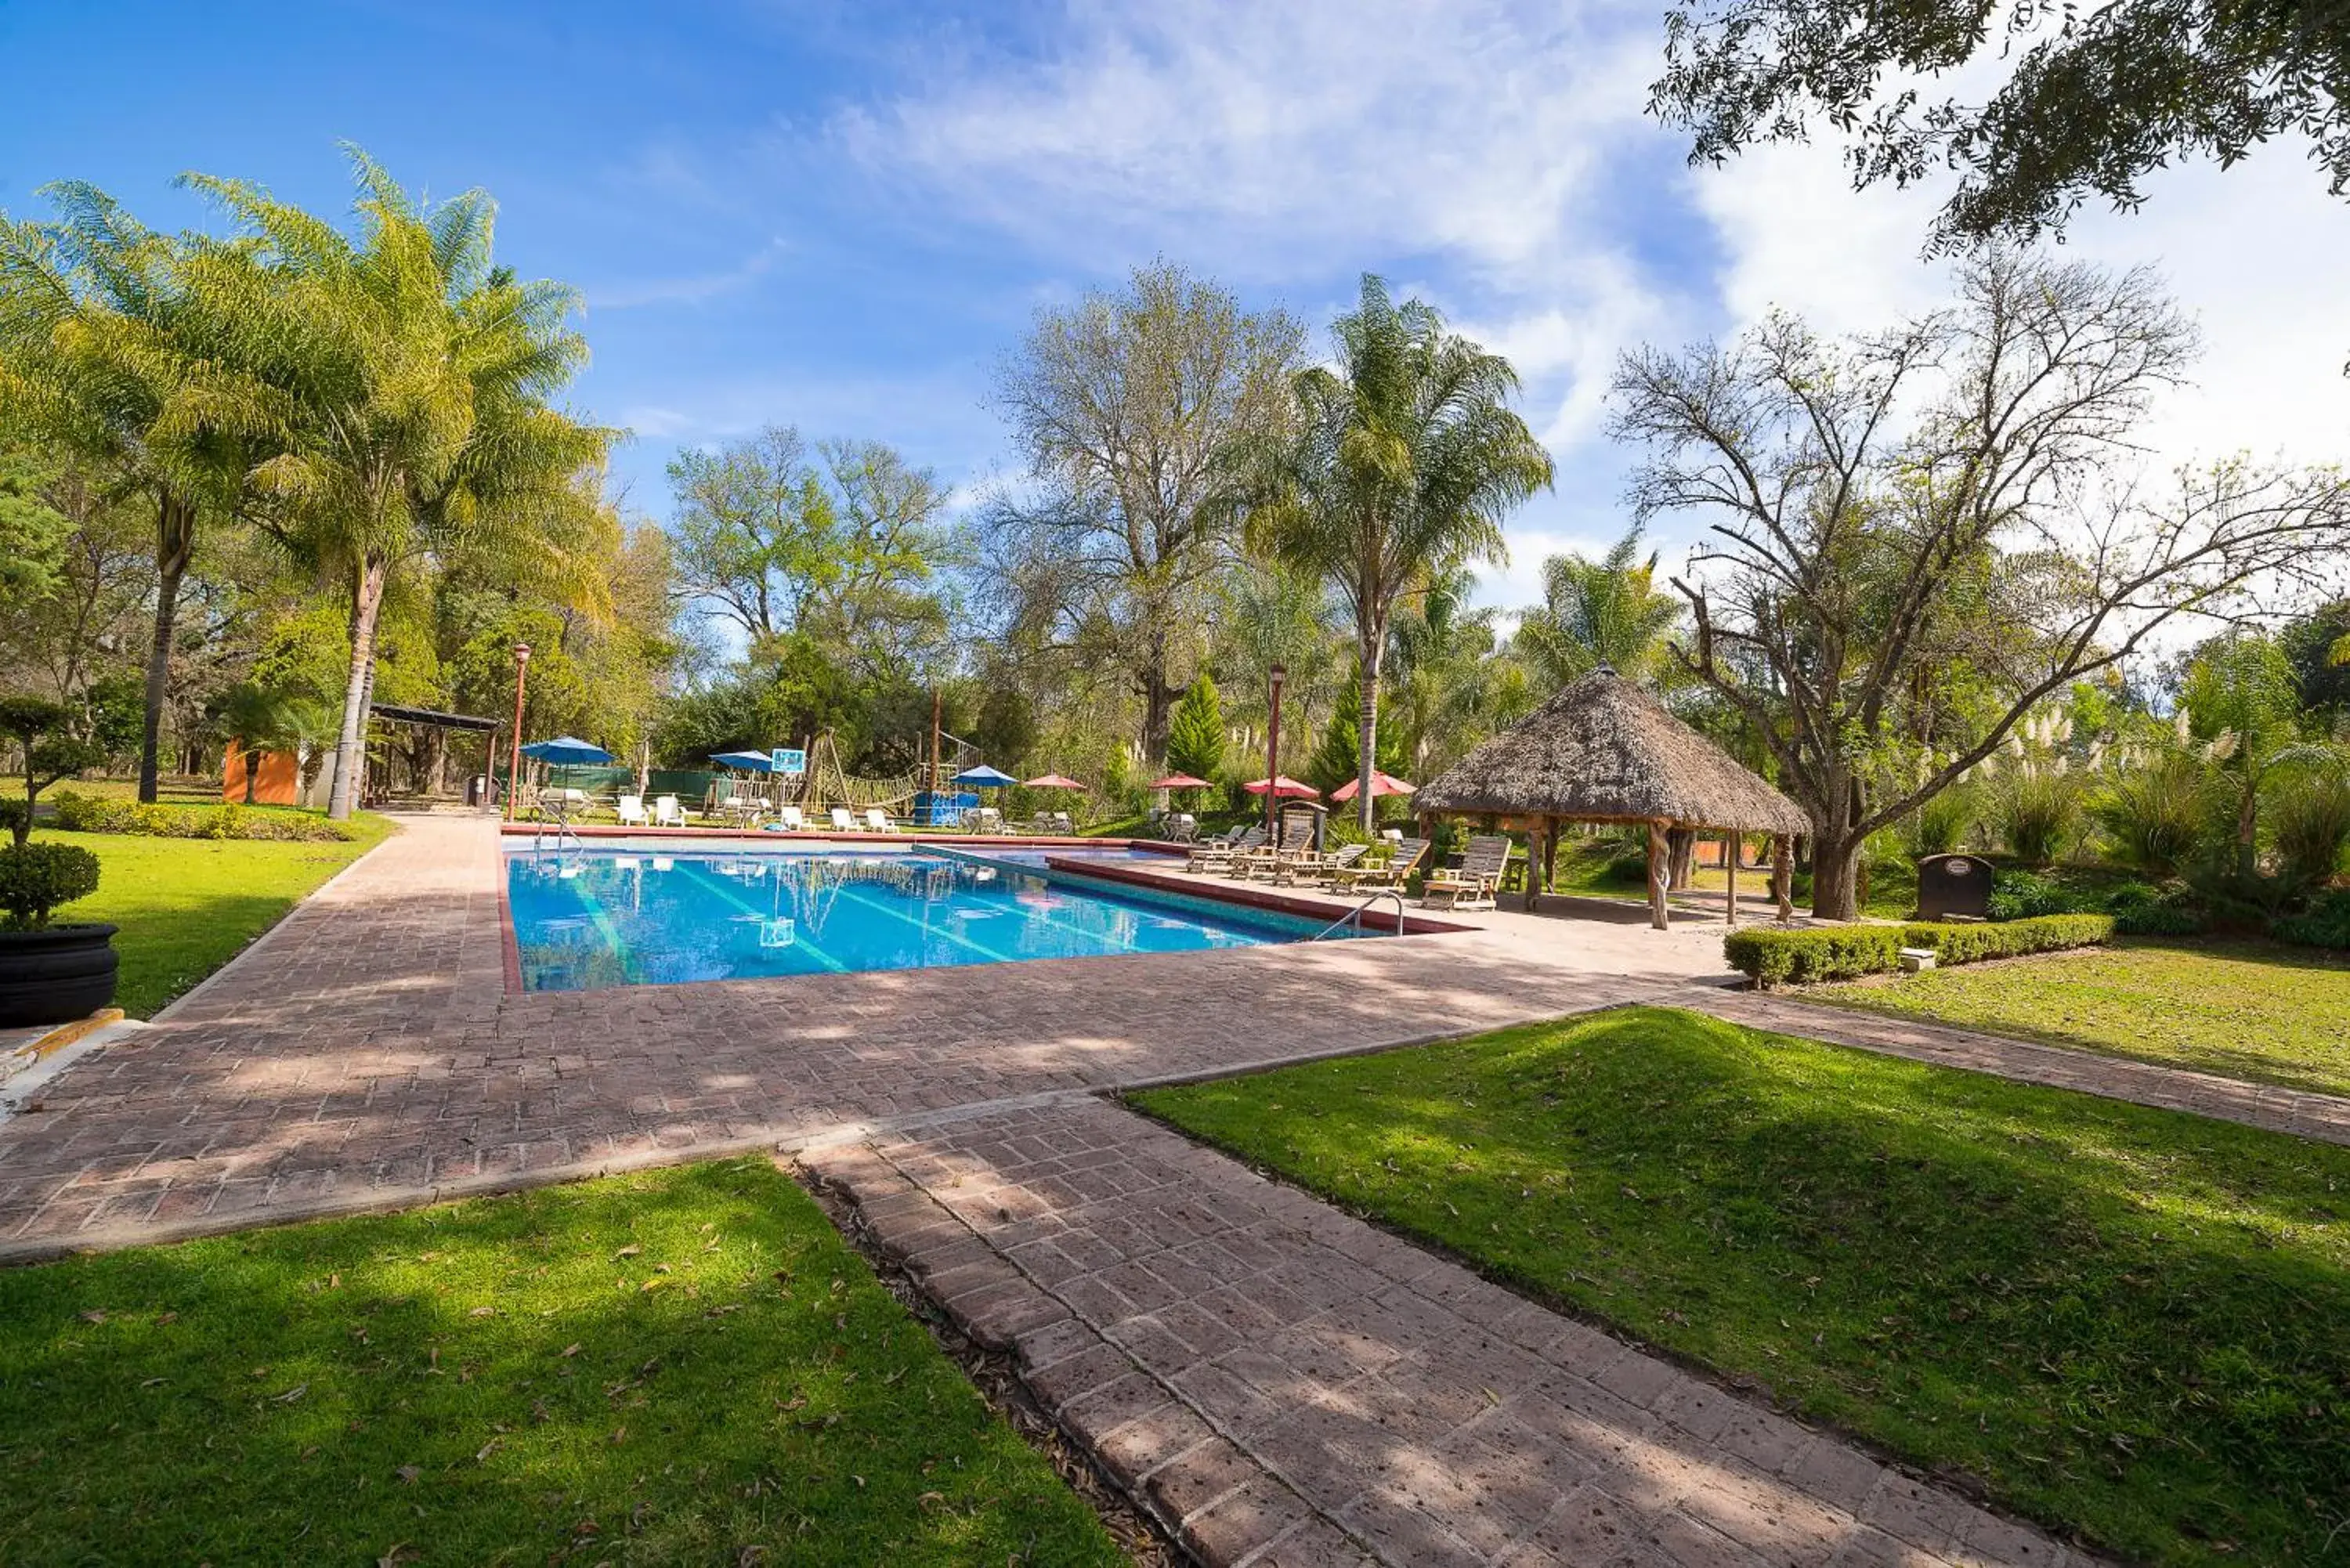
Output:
x=48 y=750
x=1195 y=731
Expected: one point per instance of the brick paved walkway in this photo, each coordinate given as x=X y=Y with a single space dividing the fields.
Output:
x=366 y=1052
x=1286 y=1386
x=2325 y=1117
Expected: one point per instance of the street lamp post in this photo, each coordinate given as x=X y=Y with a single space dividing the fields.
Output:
x=1276 y=675
x=513 y=767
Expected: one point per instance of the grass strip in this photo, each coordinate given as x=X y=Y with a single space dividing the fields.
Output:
x=682 y=1365
x=2127 y=1323
x=2257 y=1011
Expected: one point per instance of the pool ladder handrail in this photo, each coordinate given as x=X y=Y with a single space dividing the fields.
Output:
x=1354 y=917
x=562 y=829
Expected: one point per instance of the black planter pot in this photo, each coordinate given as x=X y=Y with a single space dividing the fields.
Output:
x=55 y=975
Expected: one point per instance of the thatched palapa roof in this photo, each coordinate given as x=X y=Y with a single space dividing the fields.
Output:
x=1604 y=749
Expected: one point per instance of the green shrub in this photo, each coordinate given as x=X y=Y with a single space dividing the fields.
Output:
x=1775 y=957
x=2156 y=815
x=2162 y=918
x=37 y=878
x=2021 y=894
x=1957 y=943
x=2326 y=925
x=84 y=813
x=2311 y=826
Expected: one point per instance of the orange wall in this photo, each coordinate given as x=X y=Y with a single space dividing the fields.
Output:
x=279 y=778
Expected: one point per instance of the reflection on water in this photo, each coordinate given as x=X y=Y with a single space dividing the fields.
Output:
x=582 y=921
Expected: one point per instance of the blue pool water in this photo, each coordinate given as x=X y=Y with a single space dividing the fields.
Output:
x=600 y=918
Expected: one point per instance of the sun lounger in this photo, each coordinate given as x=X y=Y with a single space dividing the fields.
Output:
x=667 y=813
x=1313 y=870
x=1473 y=884
x=878 y=821
x=842 y=822
x=631 y=809
x=1217 y=855
x=1387 y=875
x=789 y=819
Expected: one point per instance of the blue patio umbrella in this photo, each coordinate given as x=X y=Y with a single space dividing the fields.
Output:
x=985 y=777
x=565 y=750
x=749 y=761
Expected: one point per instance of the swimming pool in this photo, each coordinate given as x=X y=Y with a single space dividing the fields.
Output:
x=585 y=919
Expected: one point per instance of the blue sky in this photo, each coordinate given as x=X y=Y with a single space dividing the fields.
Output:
x=841 y=215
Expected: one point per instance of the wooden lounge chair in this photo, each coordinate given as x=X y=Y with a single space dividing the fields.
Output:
x=1295 y=843
x=1312 y=871
x=1217 y=855
x=1387 y=875
x=1474 y=883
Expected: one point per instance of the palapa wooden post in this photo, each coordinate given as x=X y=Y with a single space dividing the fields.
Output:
x=1783 y=877
x=1730 y=848
x=1658 y=858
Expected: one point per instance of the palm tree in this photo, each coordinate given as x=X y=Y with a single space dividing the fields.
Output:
x=416 y=378
x=1406 y=460
x=106 y=350
x=1603 y=613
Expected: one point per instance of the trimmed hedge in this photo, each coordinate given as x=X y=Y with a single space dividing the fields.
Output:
x=1775 y=957
x=88 y=814
x=1966 y=943
x=37 y=878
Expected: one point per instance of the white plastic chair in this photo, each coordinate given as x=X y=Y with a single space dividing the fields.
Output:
x=633 y=810
x=667 y=813
x=791 y=819
x=878 y=820
x=842 y=822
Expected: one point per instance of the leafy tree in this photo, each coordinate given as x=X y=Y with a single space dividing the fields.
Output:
x=33 y=533
x=2239 y=694
x=1605 y=612
x=47 y=751
x=2093 y=100
x=1131 y=410
x=111 y=347
x=1855 y=566
x=1338 y=757
x=1195 y=733
x=411 y=379
x=1405 y=460
x=753 y=526
x=1451 y=686
x=1005 y=730
x=2318 y=646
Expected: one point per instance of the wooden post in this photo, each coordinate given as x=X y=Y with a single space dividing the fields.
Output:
x=1658 y=855
x=1783 y=877
x=1730 y=848
x=1535 y=837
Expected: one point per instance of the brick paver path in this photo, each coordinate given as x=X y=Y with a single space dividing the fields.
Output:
x=2271 y=1106
x=1287 y=1386
x=366 y=1053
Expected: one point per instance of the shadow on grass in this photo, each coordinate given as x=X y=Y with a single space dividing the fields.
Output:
x=2126 y=1322
x=675 y=1366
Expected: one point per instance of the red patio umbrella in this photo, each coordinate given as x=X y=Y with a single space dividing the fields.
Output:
x=1179 y=781
x=1284 y=786
x=1381 y=784
x=1053 y=781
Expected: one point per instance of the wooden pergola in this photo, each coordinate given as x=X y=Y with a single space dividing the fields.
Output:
x=1603 y=750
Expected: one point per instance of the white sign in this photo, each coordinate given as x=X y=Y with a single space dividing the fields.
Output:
x=789 y=760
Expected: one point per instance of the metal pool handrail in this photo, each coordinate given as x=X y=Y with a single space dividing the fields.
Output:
x=1354 y=917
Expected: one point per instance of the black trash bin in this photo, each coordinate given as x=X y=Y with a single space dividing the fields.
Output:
x=477 y=790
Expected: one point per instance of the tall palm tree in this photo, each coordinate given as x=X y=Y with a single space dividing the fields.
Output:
x=1600 y=613
x=416 y=377
x=106 y=350
x=1406 y=460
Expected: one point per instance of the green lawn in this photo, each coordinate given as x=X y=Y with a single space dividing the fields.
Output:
x=682 y=1366
x=187 y=905
x=2128 y=1323
x=2260 y=1011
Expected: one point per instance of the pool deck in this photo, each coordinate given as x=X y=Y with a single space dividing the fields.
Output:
x=1280 y=1383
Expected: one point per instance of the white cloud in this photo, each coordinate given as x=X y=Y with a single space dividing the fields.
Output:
x=693 y=289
